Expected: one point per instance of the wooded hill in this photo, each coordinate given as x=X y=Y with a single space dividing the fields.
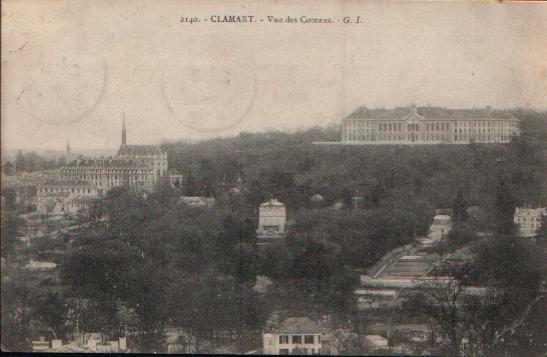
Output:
x=289 y=167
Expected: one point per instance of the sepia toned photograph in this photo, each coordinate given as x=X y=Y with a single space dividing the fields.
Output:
x=277 y=177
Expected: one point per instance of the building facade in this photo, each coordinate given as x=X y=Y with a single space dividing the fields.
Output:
x=528 y=220
x=297 y=335
x=428 y=125
x=64 y=196
x=136 y=166
x=272 y=218
x=441 y=226
x=82 y=343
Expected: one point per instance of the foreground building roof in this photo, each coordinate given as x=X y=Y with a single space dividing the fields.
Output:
x=299 y=325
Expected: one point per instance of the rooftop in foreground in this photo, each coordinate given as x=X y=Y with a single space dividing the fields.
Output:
x=298 y=325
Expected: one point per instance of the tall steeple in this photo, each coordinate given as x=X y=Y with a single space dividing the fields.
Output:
x=68 y=148
x=124 y=138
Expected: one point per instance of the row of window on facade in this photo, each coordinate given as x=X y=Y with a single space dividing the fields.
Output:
x=444 y=137
x=307 y=351
x=461 y=131
x=131 y=183
x=108 y=171
x=432 y=126
x=83 y=190
x=532 y=219
x=483 y=124
x=297 y=339
x=74 y=190
x=389 y=126
x=95 y=177
x=482 y=131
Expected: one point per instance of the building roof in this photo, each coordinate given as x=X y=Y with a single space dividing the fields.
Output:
x=430 y=113
x=35 y=264
x=317 y=198
x=377 y=292
x=535 y=211
x=375 y=341
x=442 y=217
x=299 y=325
x=197 y=201
x=140 y=150
x=108 y=162
x=272 y=203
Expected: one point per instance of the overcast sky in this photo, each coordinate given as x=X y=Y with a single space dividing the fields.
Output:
x=70 y=69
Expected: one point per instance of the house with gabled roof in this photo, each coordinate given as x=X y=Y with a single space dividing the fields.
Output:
x=529 y=220
x=296 y=335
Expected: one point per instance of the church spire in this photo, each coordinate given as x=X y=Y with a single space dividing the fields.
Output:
x=68 y=147
x=124 y=138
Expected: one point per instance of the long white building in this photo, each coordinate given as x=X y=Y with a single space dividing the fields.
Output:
x=428 y=125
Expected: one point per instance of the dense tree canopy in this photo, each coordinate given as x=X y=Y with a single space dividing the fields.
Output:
x=10 y=222
x=156 y=257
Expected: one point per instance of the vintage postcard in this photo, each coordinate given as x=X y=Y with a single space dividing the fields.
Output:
x=336 y=177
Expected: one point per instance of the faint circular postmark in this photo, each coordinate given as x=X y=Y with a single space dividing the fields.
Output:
x=64 y=91
x=209 y=98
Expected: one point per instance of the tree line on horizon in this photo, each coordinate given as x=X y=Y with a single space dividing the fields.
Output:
x=30 y=162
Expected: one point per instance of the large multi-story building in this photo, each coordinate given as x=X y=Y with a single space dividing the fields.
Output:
x=529 y=220
x=137 y=166
x=428 y=125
